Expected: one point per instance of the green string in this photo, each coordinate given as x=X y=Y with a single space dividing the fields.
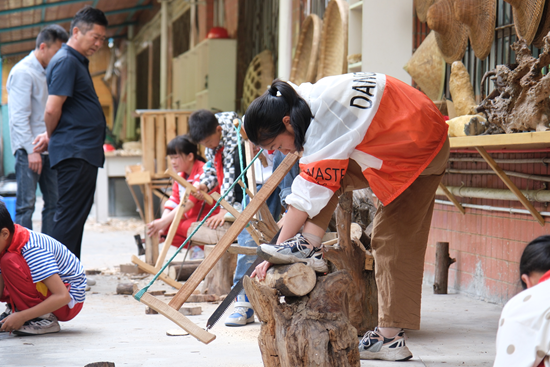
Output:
x=140 y=294
x=241 y=159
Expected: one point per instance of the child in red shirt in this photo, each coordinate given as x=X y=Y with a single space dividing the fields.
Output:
x=185 y=160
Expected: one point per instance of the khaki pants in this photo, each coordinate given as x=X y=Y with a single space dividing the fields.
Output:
x=399 y=240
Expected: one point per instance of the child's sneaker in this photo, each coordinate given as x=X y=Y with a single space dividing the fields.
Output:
x=376 y=346
x=45 y=324
x=294 y=250
x=242 y=314
x=5 y=314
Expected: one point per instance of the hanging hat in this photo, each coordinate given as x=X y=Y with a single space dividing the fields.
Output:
x=479 y=17
x=450 y=34
x=427 y=68
x=544 y=26
x=527 y=14
x=422 y=7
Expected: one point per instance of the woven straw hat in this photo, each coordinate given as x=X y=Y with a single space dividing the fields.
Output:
x=527 y=14
x=333 y=51
x=258 y=77
x=450 y=34
x=544 y=26
x=480 y=18
x=304 y=64
x=427 y=68
x=422 y=7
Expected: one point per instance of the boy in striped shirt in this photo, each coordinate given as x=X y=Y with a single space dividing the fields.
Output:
x=40 y=280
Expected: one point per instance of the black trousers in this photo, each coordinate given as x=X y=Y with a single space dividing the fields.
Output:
x=76 y=181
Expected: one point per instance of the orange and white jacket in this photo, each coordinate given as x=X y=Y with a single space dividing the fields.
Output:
x=390 y=129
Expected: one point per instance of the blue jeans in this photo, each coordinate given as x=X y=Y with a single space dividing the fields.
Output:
x=27 y=180
x=244 y=239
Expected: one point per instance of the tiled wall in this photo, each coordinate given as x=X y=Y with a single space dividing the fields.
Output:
x=486 y=244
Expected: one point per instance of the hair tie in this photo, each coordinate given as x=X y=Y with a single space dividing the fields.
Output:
x=273 y=91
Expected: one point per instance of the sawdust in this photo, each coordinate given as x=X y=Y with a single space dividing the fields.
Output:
x=115 y=224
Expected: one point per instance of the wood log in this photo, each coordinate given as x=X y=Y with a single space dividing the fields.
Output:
x=307 y=331
x=293 y=280
x=207 y=236
x=442 y=263
x=100 y=364
x=348 y=255
x=220 y=279
x=182 y=271
x=125 y=288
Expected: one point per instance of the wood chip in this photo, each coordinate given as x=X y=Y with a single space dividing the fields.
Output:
x=93 y=271
x=159 y=292
x=176 y=332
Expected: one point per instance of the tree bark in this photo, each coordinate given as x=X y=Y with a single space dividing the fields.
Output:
x=350 y=256
x=313 y=330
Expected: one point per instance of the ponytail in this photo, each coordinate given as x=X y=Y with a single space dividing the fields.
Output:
x=264 y=116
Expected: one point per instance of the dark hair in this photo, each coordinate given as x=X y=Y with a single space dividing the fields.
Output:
x=182 y=144
x=535 y=257
x=202 y=124
x=86 y=17
x=52 y=34
x=264 y=117
x=5 y=218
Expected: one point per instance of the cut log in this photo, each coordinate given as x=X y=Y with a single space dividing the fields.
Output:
x=207 y=236
x=348 y=255
x=291 y=280
x=182 y=271
x=313 y=330
x=442 y=263
x=220 y=279
x=125 y=288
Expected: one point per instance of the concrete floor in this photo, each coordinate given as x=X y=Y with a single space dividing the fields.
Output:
x=456 y=330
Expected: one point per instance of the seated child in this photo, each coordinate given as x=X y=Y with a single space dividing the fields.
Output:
x=523 y=338
x=40 y=279
x=217 y=133
x=185 y=160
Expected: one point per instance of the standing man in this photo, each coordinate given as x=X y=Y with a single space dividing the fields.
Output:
x=76 y=126
x=28 y=93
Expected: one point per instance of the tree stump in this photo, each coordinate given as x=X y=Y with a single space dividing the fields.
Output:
x=350 y=256
x=313 y=330
x=220 y=279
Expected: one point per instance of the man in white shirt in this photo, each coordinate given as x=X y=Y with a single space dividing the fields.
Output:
x=27 y=96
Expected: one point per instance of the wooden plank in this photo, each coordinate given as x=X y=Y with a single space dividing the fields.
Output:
x=170 y=127
x=182 y=123
x=209 y=200
x=241 y=250
x=148 y=142
x=172 y=231
x=534 y=140
x=160 y=144
x=250 y=175
x=182 y=321
x=207 y=265
x=138 y=178
x=152 y=270
x=151 y=243
x=138 y=205
x=526 y=203
x=451 y=197
x=216 y=196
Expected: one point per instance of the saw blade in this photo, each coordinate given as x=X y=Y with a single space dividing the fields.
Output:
x=236 y=290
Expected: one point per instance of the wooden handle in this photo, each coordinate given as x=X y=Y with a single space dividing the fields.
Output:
x=187 y=185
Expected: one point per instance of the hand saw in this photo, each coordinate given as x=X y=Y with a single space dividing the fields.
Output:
x=236 y=289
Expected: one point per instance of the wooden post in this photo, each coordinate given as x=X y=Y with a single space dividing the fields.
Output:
x=442 y=263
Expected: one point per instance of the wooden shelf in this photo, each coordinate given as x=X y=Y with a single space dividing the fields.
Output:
x=535 y=140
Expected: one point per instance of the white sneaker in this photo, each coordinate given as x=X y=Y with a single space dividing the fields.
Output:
x=242 y=314
x=45 y=324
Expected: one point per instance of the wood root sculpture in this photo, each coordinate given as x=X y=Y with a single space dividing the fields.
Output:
x=520 y=100
x=306 y=331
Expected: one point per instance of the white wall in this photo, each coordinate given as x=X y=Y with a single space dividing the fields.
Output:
x=387 y=37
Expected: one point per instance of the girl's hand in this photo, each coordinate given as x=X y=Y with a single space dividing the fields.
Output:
x=200 y=188
x=154 y=227
x=13 y=322
x=261 y=270
x=216 y=220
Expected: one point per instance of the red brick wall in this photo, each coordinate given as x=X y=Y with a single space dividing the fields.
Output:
x=486 y=244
